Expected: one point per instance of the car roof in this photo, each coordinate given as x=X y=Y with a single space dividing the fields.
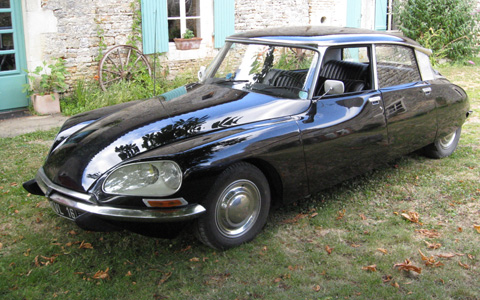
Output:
x=325 y=36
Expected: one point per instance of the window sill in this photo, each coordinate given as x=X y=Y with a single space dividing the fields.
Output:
x=203 y=52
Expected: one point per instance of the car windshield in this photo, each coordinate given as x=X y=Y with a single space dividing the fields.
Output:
x=281 y=71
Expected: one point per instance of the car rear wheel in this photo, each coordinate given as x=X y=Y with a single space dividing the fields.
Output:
x=444 y=146
x=237 y=208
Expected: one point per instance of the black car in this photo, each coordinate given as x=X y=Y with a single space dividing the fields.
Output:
x=279 y=114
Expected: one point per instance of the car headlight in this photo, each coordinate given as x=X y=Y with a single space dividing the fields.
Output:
x=162 y=178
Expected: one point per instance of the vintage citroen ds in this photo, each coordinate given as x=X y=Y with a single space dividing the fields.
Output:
x=278 y=115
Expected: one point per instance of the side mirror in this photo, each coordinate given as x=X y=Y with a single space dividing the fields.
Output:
x=334 y=87
x=202 y=73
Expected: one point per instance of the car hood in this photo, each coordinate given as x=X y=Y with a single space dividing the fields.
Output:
x=79 y=160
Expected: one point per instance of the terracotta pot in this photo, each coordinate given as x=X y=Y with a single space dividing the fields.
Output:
x=46 y=104
x=187 y=44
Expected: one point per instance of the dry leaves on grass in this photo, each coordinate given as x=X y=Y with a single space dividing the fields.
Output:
x=384 y=251
x=411 y=216
x=407 y=266
x=341 y=214
x=430 y=261
x=328 y=249
x=295 y=219
x=477 y=228
x=41 y=260
x=432 y=233
x=84 y=245
x=371 y=268
x=100 y=275
x=433 y=245
x=465 y=266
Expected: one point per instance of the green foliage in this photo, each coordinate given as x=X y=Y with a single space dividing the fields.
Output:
x=102 y=46
x=188 y=34
x=135 y=37
x=87 y=95
x=448 y=27
x=47 y=79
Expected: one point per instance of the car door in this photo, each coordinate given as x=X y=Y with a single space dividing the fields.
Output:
x=409 y=105
x=343 y=136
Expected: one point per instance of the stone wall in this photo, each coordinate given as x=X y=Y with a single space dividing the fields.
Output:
x=254 y=14
x=80 y=24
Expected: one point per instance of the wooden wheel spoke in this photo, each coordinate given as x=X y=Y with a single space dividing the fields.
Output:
x=113 y=62
x=120 y=59
x=134 y=64
x=112 y=80
x=112 y=72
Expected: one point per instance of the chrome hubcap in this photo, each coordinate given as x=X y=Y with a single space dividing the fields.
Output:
x=238 y=208
x=447 y=141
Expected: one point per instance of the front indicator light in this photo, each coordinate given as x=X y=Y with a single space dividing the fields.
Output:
x=165 y=203
x=162 y=178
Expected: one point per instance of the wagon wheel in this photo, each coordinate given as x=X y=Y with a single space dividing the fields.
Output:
x=122 y=62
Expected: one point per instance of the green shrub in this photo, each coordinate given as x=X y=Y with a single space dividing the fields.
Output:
x=448 y=27
x=87 y=95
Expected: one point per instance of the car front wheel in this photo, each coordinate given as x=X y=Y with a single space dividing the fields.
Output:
x=444 y=146
x=237 y=208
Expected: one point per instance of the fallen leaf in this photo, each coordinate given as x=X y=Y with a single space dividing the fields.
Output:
x=313 y=215
x=194 y=259
x=102 y=274
x=84 y=245
x=387 y=278
x=340 y=214
x=294 y=219
x=471 y=257
x=371 y=268
x=355 y=245
x=477 y=227
x=328 y=249
x=1 y=246
x=316 y=288
x=395 y=284
x=411 y=216
x=129 y=273
x=464 y=265
x=407 y=266
x=446 y=255
x=277 y=280
x=186 y=248
x=433 y=245
x=362 y=216
x=460 y=229
x=164 y=278
x=429 y=261
x=428 y=233
x=384 y=251
x=72 y=232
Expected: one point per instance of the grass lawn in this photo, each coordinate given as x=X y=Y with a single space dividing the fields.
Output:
x=348 y=242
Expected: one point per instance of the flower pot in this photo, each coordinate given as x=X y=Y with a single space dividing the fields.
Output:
x=187 y=44
x=46 y=104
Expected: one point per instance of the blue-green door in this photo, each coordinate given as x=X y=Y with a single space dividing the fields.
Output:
x=12 y=56
x=354 y=13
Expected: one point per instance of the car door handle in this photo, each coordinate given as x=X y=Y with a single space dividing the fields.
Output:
x=375 y=100
x=427 y=91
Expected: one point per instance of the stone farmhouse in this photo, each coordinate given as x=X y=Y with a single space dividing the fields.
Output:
x=80 y=31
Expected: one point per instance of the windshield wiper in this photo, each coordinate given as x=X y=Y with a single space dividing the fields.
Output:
x=230 y=80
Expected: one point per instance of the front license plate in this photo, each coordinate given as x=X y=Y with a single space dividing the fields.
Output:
x=65 y=211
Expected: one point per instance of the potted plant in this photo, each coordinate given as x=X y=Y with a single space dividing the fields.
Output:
x=46 y=82
x=188 y=41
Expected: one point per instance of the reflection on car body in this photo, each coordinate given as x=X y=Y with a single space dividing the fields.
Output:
x=278 y=115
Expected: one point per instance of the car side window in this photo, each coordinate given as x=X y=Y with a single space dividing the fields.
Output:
x=396 y=65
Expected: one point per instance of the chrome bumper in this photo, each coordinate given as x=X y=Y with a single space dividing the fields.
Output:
x=86 y=203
